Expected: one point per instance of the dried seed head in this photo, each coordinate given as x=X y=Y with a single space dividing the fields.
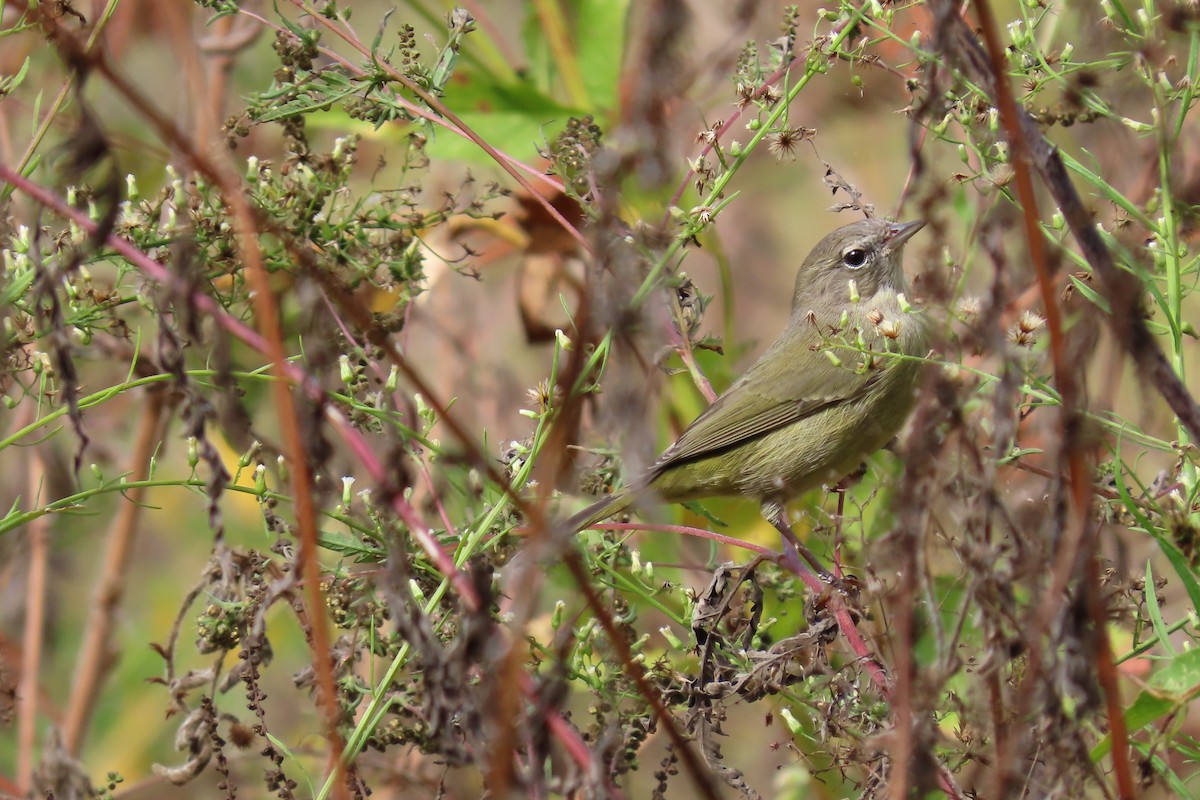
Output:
x=709 y=135
x=890 y=328
x=783 y=143
x=745 y=94
x=1002 y=175
x=541 y=397
x=969 y=307
x=1030 y=321
x=1021 y=334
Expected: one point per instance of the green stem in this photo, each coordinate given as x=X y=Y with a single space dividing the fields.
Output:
x=75 y=501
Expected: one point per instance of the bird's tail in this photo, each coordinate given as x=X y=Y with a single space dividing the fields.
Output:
x=601 y=510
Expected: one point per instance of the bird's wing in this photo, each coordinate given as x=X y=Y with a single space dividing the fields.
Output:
x=769 y=396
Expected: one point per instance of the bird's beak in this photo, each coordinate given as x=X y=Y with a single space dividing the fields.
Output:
x=901 y=232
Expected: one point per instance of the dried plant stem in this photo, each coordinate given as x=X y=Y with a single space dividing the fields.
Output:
x=702 y=778
x=96 y=651
x=901 y=696
x=268 y=320
x=267 y=314
x=368 y=459
x=896 y=691
x=35 y=622
x=1077 y=468
x=360 y=316
x=1029 y=148
x=1127 y=322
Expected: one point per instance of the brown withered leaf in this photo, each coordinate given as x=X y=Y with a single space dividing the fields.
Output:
x=545 y=273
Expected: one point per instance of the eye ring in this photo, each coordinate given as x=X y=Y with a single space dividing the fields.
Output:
x=855 y=258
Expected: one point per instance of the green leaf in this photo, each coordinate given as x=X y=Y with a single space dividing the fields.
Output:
x=600 y=32
x=349 y=546
x=1170 y=689
x=10 y=83
x=1181 y=677
x=1156 y=618
x=1091 y=294
x=1174 y=555
x=1180 y=562
x=517 y=134
x=478 y=92
x=516 y=118
x=327 y=90
x=539 y=63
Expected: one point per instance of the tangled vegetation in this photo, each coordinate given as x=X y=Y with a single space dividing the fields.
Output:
x=263 y=414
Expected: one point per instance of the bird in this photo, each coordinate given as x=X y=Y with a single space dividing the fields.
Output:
x=835 y=386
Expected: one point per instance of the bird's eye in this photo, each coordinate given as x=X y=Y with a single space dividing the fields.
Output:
x=854 y=258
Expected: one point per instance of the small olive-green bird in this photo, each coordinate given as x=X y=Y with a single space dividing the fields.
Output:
x=822 y=398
